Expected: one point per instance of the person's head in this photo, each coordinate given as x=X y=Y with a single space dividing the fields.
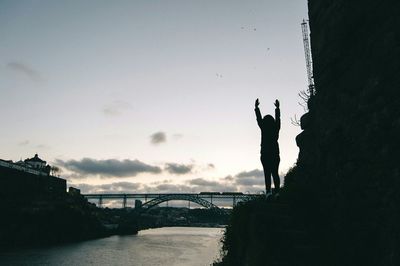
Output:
x=268 y=121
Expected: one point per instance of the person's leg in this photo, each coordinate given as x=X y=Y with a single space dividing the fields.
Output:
x=267 y=174
x=275 y=174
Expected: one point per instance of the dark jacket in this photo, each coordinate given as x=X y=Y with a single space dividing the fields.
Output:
x=269 y=134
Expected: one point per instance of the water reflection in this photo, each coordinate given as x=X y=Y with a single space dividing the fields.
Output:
x=175 y=246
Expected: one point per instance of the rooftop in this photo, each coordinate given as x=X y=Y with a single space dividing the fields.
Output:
x=35 y=159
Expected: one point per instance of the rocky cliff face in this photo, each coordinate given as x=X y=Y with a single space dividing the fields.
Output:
x=343 y=195
x=350 y=146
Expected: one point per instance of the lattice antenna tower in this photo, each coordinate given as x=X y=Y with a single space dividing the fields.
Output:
x=307 y=51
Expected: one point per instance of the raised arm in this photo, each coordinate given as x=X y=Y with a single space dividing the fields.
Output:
x=277 y=115
x=258 y=113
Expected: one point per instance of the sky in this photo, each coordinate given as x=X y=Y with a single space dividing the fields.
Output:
x=150 y=96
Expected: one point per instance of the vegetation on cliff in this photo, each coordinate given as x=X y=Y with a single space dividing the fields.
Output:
x=269 y=232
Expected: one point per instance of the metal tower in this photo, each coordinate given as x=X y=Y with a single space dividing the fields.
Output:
x=307 y=51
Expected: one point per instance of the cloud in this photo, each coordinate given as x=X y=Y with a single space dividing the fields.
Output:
x=158 y=137
x=120 y=187
x=228 y=178
x=250 y=180
x=178 y=169
x=253 y=173
x=170 y=188
x=25 y=70
x=245 y=181
x=42 y=146
x=23 y=143
x=203 y=182
x=116 y=108
x=177 y=136
x=109 y=168
x=205 y=167
x=195 y=185
x=85 y=188
x=211 y=166
x=190 y=186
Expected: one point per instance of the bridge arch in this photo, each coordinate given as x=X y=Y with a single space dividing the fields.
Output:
x=192 y=198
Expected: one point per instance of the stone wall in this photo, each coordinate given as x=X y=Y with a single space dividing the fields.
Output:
x=18 y=185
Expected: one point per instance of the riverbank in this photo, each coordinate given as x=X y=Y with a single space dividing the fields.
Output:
x=58 y=220
x=71 y=218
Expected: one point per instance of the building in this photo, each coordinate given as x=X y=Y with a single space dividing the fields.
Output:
x=74 y=191
x=29 y=179
x=35 y=162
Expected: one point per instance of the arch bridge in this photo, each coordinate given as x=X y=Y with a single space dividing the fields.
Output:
x=190 y=198
x=209 y=200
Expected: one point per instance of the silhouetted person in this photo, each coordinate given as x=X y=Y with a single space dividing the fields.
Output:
x=269 y=146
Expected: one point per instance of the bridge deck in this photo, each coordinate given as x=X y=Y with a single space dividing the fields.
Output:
x=156 y=195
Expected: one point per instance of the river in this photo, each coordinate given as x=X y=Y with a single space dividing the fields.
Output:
x=168 y=246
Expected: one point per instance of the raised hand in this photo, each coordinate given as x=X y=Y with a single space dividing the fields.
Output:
x=257 y=103
x=276 y=103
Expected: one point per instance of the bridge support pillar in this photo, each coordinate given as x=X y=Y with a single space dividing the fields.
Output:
x=234 y=200
x=124 y=202
x=100 y=201
x=138 y=204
